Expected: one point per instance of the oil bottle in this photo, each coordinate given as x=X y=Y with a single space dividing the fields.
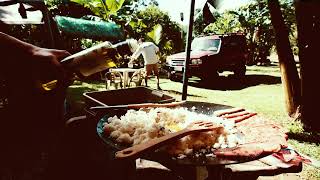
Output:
x=95 y=59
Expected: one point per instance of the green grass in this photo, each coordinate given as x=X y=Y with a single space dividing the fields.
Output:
x=261 y=91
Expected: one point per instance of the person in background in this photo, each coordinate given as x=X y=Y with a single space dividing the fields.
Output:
x=32 y=119
x=149 y=52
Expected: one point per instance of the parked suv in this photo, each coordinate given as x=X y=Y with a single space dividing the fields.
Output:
x=209 y=55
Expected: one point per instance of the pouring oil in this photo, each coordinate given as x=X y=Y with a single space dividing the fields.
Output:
x=95 y=59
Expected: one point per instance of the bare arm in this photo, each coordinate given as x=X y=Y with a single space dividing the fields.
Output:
x=13 y=48
x=16 y=53
x=136 y=54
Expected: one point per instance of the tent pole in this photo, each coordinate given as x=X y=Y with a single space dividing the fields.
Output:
x=188 y=47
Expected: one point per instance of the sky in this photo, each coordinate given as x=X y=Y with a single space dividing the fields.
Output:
x=174 y=7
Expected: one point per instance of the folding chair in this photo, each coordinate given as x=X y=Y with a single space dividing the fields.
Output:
x=137 y=78
x=113 y=79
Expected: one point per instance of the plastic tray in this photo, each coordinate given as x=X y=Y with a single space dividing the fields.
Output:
x=134 y=95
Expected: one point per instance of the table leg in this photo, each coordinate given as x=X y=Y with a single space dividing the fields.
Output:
x=125 y=79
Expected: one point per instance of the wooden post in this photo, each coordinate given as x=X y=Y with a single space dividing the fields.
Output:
x=289 y=72
x=308 y=23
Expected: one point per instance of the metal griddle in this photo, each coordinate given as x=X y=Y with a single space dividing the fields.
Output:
x=164 y=158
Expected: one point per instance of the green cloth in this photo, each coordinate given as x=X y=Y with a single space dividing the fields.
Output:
x=101 y=30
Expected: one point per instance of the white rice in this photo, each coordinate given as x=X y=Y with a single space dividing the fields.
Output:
x=137 y=127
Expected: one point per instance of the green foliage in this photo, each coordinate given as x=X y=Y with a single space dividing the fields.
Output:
x=98 y=7
x=113 y=5
x=156 y=33
x=34 y=34
x=254 y=20
x=199 y=23
x=151 y=20
x=87 y=43
x=224 y=24
x=137 y=20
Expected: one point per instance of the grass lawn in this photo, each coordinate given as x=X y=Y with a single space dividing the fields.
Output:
x=260 y=91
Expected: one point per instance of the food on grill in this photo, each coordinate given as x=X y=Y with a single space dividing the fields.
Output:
x=259 y=136
x=137 y=127
x=264 y=133
x=248 y=150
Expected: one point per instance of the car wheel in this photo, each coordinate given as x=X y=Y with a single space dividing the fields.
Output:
x=169 y=75
x=240 y=71
x=173 y=77
x=209 y=76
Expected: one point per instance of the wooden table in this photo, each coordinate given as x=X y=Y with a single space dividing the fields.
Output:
x=125 y=74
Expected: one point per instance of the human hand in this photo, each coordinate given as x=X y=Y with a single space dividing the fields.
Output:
x=130 y=64
x=46 y=64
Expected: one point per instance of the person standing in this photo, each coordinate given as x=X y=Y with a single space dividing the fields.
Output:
x=149 y=52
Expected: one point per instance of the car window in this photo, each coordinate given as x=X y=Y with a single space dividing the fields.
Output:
x=234 y=44
x=205 y=44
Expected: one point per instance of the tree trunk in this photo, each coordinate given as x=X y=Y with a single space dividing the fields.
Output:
x=289 y=72
x=308 y=22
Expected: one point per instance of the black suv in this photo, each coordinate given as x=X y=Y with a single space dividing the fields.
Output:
x=211 y=54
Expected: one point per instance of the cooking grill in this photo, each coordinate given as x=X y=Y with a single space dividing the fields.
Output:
x=199 y=107
x=105 y=148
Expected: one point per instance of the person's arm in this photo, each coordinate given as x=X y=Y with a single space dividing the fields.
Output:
x=17 y=53
x=7 y=43
x=15 y=48
x=136 y=54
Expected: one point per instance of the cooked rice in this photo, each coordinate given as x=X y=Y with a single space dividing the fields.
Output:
x=139 y=126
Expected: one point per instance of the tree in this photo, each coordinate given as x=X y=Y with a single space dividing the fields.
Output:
x=254 y=20
x=289 y=73
x=138 y=18
x=102 y=8
x=200 y=24
x=308 y=16
x=170 y=39
x=224 y=24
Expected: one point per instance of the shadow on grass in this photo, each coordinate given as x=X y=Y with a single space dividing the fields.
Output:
x=232 y=83
x=179 y=93
x=305 y=137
